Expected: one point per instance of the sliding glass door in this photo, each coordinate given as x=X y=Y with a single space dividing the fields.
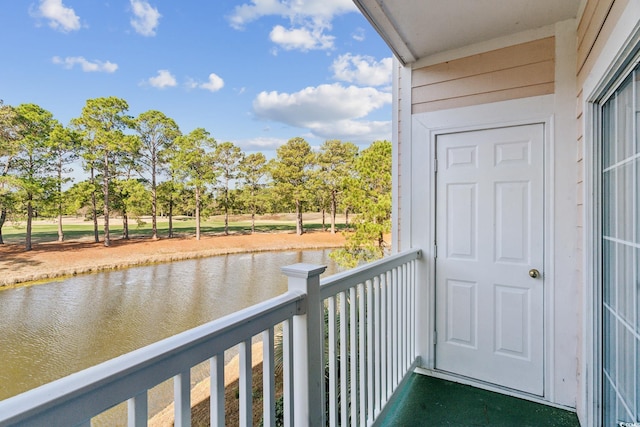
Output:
x=620 y=176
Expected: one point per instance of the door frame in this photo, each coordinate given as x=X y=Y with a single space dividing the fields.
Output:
x=425 y=128
x=619 y=56
x=537 y=286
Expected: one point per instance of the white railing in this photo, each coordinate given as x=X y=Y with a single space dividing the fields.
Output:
x=369 y=355
x=370 y=336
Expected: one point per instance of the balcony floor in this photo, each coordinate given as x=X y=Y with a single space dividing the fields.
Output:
x=429 y=401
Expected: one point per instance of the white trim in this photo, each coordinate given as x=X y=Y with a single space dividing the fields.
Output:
x=550 y=279
x=406 y=153
x=591 y=260
x=563 y=385
x=422 y=191
x=401 y=231
x=395 y=132
x=426 y=127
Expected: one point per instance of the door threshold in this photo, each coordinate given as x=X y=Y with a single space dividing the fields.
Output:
x=490 y=387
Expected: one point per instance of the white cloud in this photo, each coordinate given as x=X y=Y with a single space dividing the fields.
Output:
x=296 y=10
x=214 y=84
x=162 y=80
x=356 y=130
x=329 y=111
x=325 y=103
x=60 y=17
x=309 y=20
x=245 y=13
x=358 y=34
x=87 y=66
x=362 y=70
x=261 y=143
x=303 y=39
x=146 y=17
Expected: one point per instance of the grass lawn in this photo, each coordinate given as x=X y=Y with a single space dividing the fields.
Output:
x=46 y=230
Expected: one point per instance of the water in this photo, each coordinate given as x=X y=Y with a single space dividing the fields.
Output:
x=52 y=330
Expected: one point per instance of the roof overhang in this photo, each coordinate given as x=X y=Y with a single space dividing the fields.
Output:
x=417 y=29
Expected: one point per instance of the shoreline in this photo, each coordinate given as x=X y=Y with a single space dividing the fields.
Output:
x=58 y=260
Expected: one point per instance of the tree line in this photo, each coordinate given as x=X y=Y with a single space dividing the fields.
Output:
x=145 y=166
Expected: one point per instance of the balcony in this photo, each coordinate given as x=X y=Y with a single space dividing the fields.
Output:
x=348 y=357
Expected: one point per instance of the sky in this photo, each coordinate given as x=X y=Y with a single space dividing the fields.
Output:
x=253 y=72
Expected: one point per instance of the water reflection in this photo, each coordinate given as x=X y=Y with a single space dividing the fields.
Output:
x=52 y=330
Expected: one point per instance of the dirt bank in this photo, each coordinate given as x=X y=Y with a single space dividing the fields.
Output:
x=54 y=259
x=201 y=391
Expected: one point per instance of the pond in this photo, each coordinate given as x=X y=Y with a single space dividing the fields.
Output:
x=54 y=329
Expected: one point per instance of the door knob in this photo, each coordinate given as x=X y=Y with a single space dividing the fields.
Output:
x=534 y=273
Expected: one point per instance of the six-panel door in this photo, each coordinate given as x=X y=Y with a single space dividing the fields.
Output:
x=490 y=240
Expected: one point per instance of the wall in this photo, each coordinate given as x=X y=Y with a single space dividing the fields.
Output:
x=596 y=24
x=570 y=66
x=513 y=72
x=532 y=81
x=605 y=31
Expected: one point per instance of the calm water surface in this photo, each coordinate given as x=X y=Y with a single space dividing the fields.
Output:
x=52 y=330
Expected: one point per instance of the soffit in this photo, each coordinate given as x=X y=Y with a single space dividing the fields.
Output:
x=416 y=29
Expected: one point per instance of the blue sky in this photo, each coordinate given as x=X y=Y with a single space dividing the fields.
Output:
x=254 y=72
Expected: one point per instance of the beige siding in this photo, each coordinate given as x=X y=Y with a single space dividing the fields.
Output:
x=513 y=72
x=597 y=22
x=590 y=25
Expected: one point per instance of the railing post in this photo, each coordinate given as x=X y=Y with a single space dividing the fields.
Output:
x=308 y=368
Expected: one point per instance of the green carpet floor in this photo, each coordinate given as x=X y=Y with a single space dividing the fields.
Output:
x=429 y=401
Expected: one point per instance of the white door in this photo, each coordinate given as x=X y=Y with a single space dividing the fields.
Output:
x=490 y=239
